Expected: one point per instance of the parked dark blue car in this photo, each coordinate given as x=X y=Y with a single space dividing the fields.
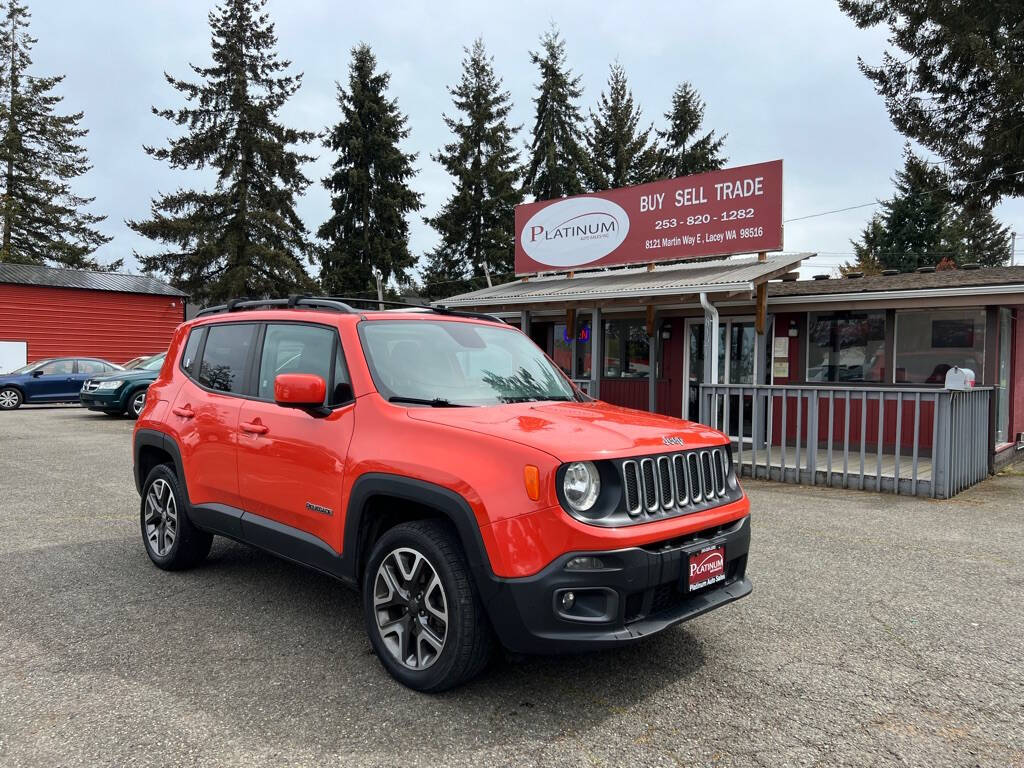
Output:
x=58 y=380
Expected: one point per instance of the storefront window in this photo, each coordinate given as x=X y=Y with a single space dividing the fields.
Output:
x=626 y=351
x=846 y=346
x=1003 y=383
x=930 y=342
x=563 y=348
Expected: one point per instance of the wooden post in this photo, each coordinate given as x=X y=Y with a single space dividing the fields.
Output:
x=761 y=315
x=762 y=256
x=652 y=360
x=650 y=319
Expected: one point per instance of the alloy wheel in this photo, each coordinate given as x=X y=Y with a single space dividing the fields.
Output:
x=9 y=399
x=411 y=608
x=138 y=402
x=161 y=517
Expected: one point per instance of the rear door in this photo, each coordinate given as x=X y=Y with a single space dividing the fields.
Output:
x=204 y=415
x=291 y=462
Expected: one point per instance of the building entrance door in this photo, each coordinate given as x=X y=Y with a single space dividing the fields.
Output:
x=736 y=345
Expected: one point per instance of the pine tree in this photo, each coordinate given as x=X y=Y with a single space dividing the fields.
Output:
x=558 y=164
x=975 y=235
x=476 y=224
x=40 y=155
x=369 y=186
x=243 y=237
x=923 y=224
x=621 y=152
x=682 y=150
x=956 y=85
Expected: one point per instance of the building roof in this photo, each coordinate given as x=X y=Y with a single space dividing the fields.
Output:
x=907 y=281
x=672 y=280
x=30 y=274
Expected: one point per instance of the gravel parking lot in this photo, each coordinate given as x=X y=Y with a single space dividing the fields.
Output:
x=881 y=631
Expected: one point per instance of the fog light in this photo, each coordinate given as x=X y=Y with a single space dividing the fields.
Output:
x=568 y=601
x=585 y=563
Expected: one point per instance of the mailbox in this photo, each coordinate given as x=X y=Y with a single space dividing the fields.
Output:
x=959 y=378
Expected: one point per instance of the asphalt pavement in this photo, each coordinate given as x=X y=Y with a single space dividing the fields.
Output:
x=882 y=630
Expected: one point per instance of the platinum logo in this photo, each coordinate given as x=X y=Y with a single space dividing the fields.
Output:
x=575 y=231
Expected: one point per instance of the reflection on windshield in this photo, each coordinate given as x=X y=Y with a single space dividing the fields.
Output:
x=453 y=363
x=153 y=364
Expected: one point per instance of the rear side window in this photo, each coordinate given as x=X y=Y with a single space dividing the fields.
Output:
x=93 y=366
x=295 y=348
x=188 y=357
x=225 y=356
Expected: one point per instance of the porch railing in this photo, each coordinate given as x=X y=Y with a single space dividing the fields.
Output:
x=921 y=441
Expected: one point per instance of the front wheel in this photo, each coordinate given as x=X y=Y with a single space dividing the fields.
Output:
x=423 y=615
x=10 y=398
x=136 y=404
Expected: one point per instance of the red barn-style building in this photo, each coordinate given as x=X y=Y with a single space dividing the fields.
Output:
x=68 y=312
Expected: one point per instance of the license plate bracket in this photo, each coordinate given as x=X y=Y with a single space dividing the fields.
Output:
x=705 y=567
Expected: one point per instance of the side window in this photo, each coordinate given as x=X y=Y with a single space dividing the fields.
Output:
x=342 y=385
x=58 y=368
x=188 y=357
x=294 y=348
x=225 y=355
x=91 y=366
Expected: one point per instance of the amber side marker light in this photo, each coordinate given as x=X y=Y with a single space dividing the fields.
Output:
x=531 y=477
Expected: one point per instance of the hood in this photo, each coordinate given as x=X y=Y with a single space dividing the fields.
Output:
x=133 y=375
x=576 y=431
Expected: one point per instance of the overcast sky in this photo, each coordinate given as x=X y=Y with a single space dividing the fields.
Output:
x=780 y=79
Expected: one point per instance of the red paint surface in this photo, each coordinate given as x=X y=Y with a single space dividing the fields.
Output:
x=1017 y=374
x=633 y=393
x=478 y=453
x=59 y=322
x=698 y=195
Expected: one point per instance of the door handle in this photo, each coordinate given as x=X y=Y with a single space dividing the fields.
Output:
x=254 y=427
x=185 y=413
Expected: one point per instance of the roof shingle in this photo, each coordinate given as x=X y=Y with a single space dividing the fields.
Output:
x=31 y=274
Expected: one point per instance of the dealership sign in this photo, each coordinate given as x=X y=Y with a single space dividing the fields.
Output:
x=736 y=210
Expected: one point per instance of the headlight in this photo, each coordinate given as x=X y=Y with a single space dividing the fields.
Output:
x=109 y=384
x=582 y=485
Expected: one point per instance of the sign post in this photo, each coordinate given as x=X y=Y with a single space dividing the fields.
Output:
x=734 y=210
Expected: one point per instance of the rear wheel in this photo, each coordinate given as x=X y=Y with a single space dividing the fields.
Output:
x=10 y=398
x=136 y=404
x=171 y=541
x=422 y=611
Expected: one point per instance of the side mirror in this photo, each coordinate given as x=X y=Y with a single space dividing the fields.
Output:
x=299 y=390
x=37 y=373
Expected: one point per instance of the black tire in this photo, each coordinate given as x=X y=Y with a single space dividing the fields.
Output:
x=10 y=398
x=136 y=403
x=189 y=545
x=468 y=639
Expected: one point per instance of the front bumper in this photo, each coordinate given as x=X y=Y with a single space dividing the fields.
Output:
x=639 y=592
x=104 y=400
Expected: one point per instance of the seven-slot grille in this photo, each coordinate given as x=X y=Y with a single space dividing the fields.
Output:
x=675 y=480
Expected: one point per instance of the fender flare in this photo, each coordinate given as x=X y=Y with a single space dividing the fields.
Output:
x=153 y=439
x=447 y=502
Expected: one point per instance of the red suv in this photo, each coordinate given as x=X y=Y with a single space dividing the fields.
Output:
x=440 y=463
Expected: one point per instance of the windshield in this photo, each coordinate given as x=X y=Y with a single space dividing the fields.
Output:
x=27 y=368
x=153 y=363
x=450 y=363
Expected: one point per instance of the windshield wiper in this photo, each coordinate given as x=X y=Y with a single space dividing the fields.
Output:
x=437 y=402
x=537 y=399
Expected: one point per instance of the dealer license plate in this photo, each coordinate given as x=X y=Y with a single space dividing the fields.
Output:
x=706 y=567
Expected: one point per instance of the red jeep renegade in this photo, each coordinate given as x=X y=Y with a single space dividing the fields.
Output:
x=440 y=463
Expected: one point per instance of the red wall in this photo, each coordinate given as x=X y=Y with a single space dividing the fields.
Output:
x=58 y=322
x=1017 y=375
x=632 y=393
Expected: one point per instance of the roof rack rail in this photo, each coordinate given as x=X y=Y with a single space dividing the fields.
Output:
x=292 y=302
x=440 y=309
x=335 y=303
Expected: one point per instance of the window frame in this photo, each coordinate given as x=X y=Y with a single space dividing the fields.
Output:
x=337 y=352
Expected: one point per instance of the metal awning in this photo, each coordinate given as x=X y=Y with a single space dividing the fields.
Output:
x=635 y=285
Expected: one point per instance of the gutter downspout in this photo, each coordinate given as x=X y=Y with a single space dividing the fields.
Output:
x=710 y=350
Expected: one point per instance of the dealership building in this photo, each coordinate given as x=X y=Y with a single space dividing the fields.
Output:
x=855 y=382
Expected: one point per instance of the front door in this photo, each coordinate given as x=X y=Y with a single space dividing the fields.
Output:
x=53 y=381
x=291 y=462
x=736 y=350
